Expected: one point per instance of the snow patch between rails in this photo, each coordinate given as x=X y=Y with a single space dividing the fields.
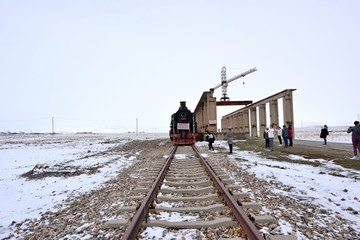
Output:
x=172 y=217
x=164 y=234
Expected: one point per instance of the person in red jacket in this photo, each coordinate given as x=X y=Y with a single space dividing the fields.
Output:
x=291 y=135
x=355 y=138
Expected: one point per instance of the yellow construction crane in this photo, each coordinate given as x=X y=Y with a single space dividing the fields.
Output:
x=225 y=82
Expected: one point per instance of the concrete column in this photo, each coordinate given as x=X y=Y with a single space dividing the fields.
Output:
x=288 y=109
x=211 y=113
x=232 y=122
x=198 y=119
x=241 y=122
x=222 y=124
x=236 y=123
x=225 y=124
x=274 y=113
x=253 y=120
x=202 y=118
x=262 y=117
x=246 y=122
x=207 y=114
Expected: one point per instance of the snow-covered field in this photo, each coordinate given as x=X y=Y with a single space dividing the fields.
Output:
x=23 y=198
x=61 y=154
x=336 y=134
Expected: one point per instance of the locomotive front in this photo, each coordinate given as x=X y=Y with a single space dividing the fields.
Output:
x=183 y=126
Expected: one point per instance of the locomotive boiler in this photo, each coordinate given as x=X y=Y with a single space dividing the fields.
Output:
x=183 y=130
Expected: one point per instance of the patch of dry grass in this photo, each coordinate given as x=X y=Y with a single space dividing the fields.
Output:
x=281 y=153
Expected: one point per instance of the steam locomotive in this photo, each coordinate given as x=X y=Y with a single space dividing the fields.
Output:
x=183 y=129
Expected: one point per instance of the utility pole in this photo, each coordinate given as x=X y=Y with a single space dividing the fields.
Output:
x=137 y=126
x=53 y=132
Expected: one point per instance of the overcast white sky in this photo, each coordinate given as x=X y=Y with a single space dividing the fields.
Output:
x=98 y=65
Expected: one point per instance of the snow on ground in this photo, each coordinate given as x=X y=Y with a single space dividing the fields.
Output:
x=23 y=198
x=329 y=186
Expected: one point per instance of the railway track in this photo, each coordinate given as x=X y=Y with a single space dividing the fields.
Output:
x=199 y=194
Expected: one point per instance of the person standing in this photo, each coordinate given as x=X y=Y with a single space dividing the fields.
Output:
x=285 y=135
x=230 y=136
x=210 y=139
x=324 y=132
x=279 y=135
x=291 y=134
x=271 y=137
x=266 y=137
x=355 y=139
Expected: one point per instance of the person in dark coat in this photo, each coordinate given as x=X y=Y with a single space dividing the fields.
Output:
x=279 y=132
x=355 y=138
x=324 y=132
x=230 y=138
x=285 y=135
x=266 y=136
x=210 y=139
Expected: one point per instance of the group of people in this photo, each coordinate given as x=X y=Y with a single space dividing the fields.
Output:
x=355 y=130
x=285 y=134
x=210 y=138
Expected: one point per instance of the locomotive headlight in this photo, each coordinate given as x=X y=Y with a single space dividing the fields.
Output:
x=183 y=115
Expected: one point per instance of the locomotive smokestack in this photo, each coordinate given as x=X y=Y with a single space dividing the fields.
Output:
x=182 y=104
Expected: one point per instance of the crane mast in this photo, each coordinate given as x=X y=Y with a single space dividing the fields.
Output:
x=224 y=85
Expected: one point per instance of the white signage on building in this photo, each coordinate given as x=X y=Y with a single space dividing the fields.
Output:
x=212 y=121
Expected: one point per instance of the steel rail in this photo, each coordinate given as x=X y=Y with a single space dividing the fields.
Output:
x=137 y=220
x=250 y=229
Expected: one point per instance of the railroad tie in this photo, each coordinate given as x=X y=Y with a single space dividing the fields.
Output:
x=218 y=222
x=262 y=220
x=251 y=205
x=241 y=195
x=228 y=181
x=281 y=237
x=211 y=208
x=208 y=197
x=189 y=190
x=182 y=184
x=232 y=186
x=188 y=179
x=116 y=223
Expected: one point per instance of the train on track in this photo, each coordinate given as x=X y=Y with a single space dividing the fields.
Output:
x=183 y=129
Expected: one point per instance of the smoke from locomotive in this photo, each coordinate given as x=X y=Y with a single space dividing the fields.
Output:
x=183 y=130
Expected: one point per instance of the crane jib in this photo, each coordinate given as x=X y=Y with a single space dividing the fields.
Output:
x=224 y=81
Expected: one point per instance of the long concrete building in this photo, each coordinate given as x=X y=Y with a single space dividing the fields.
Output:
x=245 y=121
